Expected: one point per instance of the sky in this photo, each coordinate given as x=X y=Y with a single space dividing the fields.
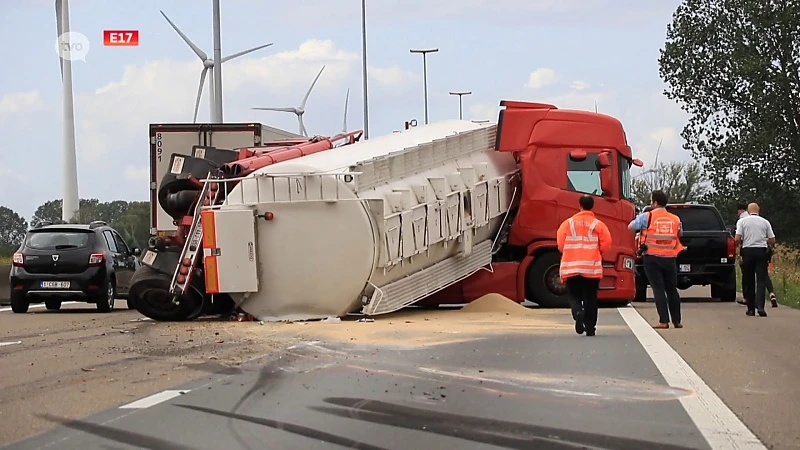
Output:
x=571 y=53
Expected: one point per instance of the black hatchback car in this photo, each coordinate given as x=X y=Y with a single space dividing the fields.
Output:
x=90 y=263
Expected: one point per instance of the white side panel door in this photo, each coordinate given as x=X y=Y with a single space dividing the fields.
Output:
x=236 y=261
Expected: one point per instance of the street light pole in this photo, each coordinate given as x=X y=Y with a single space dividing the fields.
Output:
x=460 y=103
x=424 y=53
x=364 y=65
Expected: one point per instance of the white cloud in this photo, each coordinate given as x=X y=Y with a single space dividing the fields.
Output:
x=137 y=174
x=392 y=77
x=20 y=102
x=541 y=77
x=579 y=85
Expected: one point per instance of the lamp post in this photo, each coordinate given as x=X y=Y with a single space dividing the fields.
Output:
x=364 y=65
x=424 y=53
x=460 y=94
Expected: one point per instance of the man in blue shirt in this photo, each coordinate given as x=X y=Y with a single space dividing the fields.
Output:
x=660 y=266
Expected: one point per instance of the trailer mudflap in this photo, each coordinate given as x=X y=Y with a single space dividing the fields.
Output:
x=229 y=251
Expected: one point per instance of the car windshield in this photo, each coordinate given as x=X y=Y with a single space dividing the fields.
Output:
x=697 y=219
x=56 y=240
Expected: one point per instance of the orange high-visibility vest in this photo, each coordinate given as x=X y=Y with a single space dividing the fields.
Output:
x=581 y=253
x=662 y=234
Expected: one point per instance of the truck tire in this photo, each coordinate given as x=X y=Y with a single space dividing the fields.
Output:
x=543 y=283
x=641 y=289
x=725 y=292
x=149 y=291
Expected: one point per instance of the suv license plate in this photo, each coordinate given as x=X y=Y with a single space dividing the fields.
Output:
x=55 y=284
x=685 y=268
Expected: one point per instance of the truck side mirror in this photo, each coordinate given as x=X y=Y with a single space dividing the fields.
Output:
x=606 y=180
x=637 y=162
x=603 y=160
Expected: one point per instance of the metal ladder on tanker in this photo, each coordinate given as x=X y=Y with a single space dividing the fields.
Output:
x=209 y=196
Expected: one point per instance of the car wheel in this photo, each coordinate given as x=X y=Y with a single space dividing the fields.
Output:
x=52 y=305
x=105 y=302
x=544 y=282
x=19 y=304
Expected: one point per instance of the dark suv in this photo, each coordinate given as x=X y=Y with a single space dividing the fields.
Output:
x=91 y=263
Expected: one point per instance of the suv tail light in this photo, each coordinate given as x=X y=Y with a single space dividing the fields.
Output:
x=19 y=260
x=95 y=259
x=731 y=247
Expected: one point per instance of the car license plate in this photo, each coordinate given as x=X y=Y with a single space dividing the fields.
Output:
x=685 y=268
x=55 y=284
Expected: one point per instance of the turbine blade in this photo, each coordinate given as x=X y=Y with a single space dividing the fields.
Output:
x=344 y=123
x=303 y=104
x=60 y=29
x=236 y=55
x=200 y=54
x=199 y=93
x=302 y=126
x=291 y=110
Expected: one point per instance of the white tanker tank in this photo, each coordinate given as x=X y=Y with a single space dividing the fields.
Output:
x=373 y=226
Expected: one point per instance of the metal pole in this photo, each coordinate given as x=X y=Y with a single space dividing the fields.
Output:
x=70 y=205
x=217 y=65
x=364 y=65
x=424 y=53
x=460 y=104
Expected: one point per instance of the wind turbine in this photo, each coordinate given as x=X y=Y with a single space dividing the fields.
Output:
x=208 y=64
x=298 y=110
x=344 y=122
x=70 y=205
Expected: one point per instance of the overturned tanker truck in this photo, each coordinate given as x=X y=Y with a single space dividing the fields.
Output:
x=442 y=213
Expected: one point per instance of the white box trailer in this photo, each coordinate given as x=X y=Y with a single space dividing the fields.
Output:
x=167 y=139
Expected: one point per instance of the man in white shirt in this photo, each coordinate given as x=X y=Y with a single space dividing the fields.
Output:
x=754 y=235
x=741 y=211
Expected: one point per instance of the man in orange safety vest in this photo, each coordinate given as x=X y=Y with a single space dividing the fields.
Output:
x=582 y=239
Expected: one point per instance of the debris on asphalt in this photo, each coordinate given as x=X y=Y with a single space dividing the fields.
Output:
x=332 y=319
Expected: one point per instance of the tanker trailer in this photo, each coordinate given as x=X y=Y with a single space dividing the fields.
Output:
x=379 y=224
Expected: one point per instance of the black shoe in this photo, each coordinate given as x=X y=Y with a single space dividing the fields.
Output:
x=762 y=313
x=750 y=312
x=590 y=332
x=579 y=325
x=773 y=300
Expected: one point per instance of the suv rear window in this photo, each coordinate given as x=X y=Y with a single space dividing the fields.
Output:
x=697 y=219
x=57 y=240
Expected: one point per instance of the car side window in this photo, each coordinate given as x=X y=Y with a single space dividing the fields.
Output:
x=121 y=245
x=584 y=176
x=110 y=241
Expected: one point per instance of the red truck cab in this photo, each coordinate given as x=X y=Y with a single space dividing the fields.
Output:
x=562 y=155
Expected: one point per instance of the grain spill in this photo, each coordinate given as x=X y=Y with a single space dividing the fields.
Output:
x=413 y=327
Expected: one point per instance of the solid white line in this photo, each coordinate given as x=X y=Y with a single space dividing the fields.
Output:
x=718 y=424
x=39 y=306
x=153 y=400
x=3 y=344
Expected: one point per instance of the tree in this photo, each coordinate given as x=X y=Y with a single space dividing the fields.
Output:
x=12 y=231
x=682 y=181
x=734 y=65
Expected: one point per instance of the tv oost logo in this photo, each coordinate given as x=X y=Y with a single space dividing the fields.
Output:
x=72 y=46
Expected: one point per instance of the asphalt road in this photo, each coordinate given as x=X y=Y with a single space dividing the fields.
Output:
x=752 y=363
x=535 y=384
x=77 y=361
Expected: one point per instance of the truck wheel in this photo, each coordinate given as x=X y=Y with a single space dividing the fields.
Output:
x=641 y=289
x=543 y=282
x=149 y=291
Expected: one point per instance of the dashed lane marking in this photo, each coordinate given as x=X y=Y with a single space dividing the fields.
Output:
x=154 y=399
x=718 y=424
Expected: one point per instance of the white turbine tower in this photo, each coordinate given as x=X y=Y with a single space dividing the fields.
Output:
x=208 y=65
x=298 y=110
x=70 y=205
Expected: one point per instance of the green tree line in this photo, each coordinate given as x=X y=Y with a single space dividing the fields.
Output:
x=130 y=219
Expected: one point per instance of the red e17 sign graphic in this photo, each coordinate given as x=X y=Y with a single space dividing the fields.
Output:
x=121 y=38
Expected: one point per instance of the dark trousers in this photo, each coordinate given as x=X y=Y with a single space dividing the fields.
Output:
x=582 y=294
x=662 y=274
x=754 y=271
x=767 y=283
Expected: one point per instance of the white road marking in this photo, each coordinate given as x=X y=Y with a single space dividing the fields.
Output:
x=153 y=400
x=3 y=344
x=718 y=424
x=41 y=306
